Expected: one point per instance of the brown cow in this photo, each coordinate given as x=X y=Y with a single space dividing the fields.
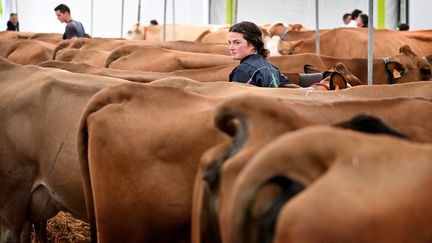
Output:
x=291 y=32
x=336 y=78
x=138 y=163
x=48 y=37
x=216 y=35
x=14 y=35
x=155 y=32
x=157 y=59
x=403 y=67
x=96 y=44
x=91 y=57
x=351 y=188
x=39 y=173
x=107 y=44
x=228 y=89
x=54 y=38
x=30 y=51
x=406 y=64
x=192 y=46
x=254 y=121
x=352 y=42
x=4 y=46
x=211 y=74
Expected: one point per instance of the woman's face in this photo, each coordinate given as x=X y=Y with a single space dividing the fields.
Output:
x=238 y=46
x=359 y=21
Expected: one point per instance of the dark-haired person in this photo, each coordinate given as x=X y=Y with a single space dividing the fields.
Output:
x=74 y=29
x=346 y=18
x=13 y=24
x=354 y=15
x=154 y=22
x=403 y=27
x=247 y=46
x=362 y=21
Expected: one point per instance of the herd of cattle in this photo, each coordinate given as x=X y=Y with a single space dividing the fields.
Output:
x=148 y=142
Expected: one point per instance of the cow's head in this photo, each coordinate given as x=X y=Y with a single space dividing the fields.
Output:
x=339 y=77
x=296 y=27
x=276 y=28
x=289 y=47
x=407 y=66
x=136 y=32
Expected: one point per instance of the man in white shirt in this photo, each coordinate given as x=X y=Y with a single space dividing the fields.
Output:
x=354 y=15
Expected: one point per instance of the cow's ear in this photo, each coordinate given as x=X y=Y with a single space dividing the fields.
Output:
x=337 y=81
x=289 y=47
x=396 y=68
x=307 y=68
x=406 y=49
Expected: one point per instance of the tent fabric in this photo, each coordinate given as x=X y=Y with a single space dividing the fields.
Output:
x=38 y=16
x=303 y=12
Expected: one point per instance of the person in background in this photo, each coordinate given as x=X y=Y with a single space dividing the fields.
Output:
x=346 y=19
x=13 y=24
x=403 y=27
x=154 y=22
x=247 y=46
x=354 y=15
x=362 y=21
x=74 y=29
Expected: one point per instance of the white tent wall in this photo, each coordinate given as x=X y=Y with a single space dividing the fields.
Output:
x=391 y=14
x=419 y=16
x=302 y=11
x=103 y=18
x=39 y=16
x=217 y=11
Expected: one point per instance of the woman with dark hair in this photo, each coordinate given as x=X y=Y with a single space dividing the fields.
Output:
x=362 y=21
x=246 y=44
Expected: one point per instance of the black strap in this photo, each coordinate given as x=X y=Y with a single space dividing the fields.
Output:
x=390 y=77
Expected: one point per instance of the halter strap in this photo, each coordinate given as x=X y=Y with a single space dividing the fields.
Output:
x=145 y=33
x=283 y=35
x=321 y=84
x=390 y=77
x=426 y=58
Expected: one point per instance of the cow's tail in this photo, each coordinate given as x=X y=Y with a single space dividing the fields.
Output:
x=202 y=35
x=118 y=53
x=100 y=100
x=274 y=172
x=265 y=223
x=63 y=44
x=12 y=48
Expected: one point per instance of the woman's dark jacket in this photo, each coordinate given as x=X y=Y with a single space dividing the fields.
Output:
x=255 y=69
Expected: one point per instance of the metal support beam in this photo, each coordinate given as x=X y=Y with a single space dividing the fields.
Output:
x=122 y=19
x=91 y=17
x=209 y=11
x=317 y=32
x=235 y=11
x=370 y=42
x=165 y=16
x=173 y=16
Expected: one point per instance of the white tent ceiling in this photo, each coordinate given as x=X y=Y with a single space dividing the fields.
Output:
x=38 y=16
